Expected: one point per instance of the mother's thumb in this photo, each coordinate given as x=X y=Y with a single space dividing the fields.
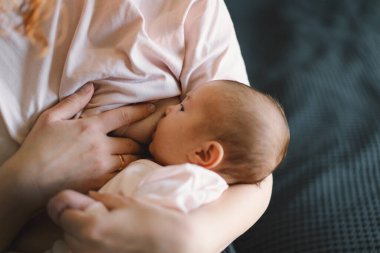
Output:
x=71 y=105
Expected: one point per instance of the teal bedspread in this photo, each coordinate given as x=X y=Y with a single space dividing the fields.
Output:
x=321 y=60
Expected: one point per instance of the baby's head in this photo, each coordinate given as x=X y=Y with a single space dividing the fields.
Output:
x=226 y=127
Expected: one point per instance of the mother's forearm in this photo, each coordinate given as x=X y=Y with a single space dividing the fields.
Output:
x=216 y=225
x=15 y=209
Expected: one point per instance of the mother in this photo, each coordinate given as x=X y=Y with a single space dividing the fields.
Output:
x=157 y=52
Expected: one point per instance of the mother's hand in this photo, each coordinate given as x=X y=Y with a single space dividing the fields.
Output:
x=61 y=152
x=135 y=226
x=128 y=225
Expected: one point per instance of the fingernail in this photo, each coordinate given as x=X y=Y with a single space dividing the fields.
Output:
x=87 y=88
x=151 y=107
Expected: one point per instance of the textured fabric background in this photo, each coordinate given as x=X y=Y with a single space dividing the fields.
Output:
x=321 y=60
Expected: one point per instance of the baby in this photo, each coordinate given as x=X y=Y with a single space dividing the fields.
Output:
x=222 y=133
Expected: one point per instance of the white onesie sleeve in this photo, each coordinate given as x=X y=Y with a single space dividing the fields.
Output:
x=182 y=187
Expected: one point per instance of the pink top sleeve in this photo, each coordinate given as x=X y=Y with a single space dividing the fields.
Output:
x=212 y=51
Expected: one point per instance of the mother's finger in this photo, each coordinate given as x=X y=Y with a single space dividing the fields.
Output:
x=67 y=199
x=112 y=201
x=71 y=221
x=113 y=119
x=120 y=145
x=119 y=162
x=72 y=104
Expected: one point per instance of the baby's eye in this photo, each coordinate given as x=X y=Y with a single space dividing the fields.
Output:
x=182 y=109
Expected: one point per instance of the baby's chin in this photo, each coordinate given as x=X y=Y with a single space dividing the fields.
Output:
x=155 y=154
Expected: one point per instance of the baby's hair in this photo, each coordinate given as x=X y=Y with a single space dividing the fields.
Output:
x=253 y=130
x=32 y=13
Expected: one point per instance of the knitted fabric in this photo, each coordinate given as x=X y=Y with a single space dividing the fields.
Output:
x=321 y=60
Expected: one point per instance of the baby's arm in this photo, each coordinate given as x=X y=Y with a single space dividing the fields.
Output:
x=142 y=131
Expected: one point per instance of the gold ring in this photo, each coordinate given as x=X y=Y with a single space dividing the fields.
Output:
x=122 y=161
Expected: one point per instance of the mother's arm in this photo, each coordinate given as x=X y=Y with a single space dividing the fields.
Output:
x=134 y=226
x=216 y=225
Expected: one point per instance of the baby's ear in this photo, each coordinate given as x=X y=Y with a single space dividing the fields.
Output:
x=209 y=155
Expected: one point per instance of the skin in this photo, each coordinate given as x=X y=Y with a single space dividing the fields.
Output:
x=176 y=135
x=179 y=137
x=142 y=130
